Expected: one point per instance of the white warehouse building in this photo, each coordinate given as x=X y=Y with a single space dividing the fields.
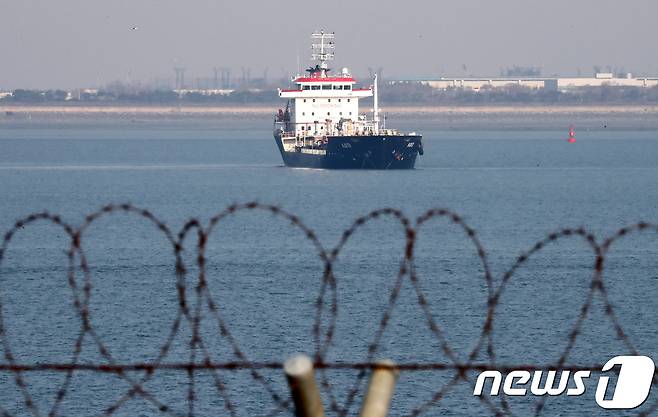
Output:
x=551 y=83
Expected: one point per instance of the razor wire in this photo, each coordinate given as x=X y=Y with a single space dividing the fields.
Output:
x=190 y=313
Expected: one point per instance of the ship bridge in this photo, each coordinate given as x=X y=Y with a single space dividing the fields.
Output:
x=325 y=87
x=318 y=102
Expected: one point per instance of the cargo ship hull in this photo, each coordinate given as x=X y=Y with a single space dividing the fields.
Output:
x=355 y=152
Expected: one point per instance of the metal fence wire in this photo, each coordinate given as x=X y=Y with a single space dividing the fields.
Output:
x=79 y=280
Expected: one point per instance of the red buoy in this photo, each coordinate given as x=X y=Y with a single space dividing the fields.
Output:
x=572 y=135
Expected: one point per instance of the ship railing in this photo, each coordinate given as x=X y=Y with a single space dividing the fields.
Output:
x=345 y=127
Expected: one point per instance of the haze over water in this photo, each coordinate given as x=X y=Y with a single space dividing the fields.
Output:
x=513 y=187
x=82 y=43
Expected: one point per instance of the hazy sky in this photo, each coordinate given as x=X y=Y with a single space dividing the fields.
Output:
x=69 y=43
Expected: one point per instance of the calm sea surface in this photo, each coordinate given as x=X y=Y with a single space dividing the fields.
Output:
x=513 y=187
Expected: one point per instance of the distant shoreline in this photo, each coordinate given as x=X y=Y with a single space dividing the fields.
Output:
x=398 y=109
x=449 y=117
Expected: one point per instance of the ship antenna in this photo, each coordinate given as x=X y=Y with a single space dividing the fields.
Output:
x=323 y=51
x=298 y=66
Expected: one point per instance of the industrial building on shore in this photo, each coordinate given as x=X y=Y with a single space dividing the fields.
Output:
x=548 y=83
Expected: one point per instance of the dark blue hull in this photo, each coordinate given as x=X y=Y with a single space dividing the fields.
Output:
x=357 y=152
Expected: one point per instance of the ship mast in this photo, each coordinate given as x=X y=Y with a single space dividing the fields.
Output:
x=322 y=51
x=375 y=113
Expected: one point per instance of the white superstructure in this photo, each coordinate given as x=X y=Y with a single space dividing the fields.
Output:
x=324 y=105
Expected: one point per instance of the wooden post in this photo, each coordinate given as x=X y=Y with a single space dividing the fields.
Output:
x=380 y=391
x=303 y=388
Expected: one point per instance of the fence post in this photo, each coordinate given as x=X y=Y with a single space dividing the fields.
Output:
x=303 y=388
x=380 y=391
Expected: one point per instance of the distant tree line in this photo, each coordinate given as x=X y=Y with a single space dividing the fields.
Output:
x=153 y=97
x=36 y=96
x=520 y=71
x=399 y=93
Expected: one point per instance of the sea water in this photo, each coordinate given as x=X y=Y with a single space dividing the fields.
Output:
x=512 y=187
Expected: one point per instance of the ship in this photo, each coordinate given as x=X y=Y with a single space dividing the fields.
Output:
x=320 y=126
